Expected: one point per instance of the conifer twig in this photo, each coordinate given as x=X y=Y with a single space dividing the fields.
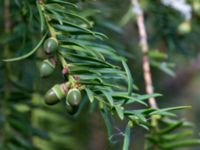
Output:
x=144 y=48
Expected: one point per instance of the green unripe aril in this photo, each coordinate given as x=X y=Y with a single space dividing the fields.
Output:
x=46 y=68
x=71 y=109
x=74 y=97
x=54 y=95
x=50 y=45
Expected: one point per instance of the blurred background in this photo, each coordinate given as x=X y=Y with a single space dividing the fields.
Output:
x=173 y=28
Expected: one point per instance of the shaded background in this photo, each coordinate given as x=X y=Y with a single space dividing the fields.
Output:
x=25 y=121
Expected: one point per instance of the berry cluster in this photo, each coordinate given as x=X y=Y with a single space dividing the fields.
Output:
x=59 y=91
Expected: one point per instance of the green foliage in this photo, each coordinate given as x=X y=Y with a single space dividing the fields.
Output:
x=171 y=134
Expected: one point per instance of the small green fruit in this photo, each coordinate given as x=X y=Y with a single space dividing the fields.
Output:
x=74 y=97
x=71 y=109
x=50 y=45
x=54 y=95
x=46 y=68
x=184 y=27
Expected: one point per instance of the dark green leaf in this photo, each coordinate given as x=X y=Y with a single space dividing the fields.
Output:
x=28 y=54
x=127 y=135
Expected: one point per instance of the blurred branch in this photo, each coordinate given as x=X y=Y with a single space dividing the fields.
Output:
x=7 y=21
x=5 y=111
x=97 y=134
x=144 y=48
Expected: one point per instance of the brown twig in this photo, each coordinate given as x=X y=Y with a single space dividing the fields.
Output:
x=144 y=48
x=7 y=27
